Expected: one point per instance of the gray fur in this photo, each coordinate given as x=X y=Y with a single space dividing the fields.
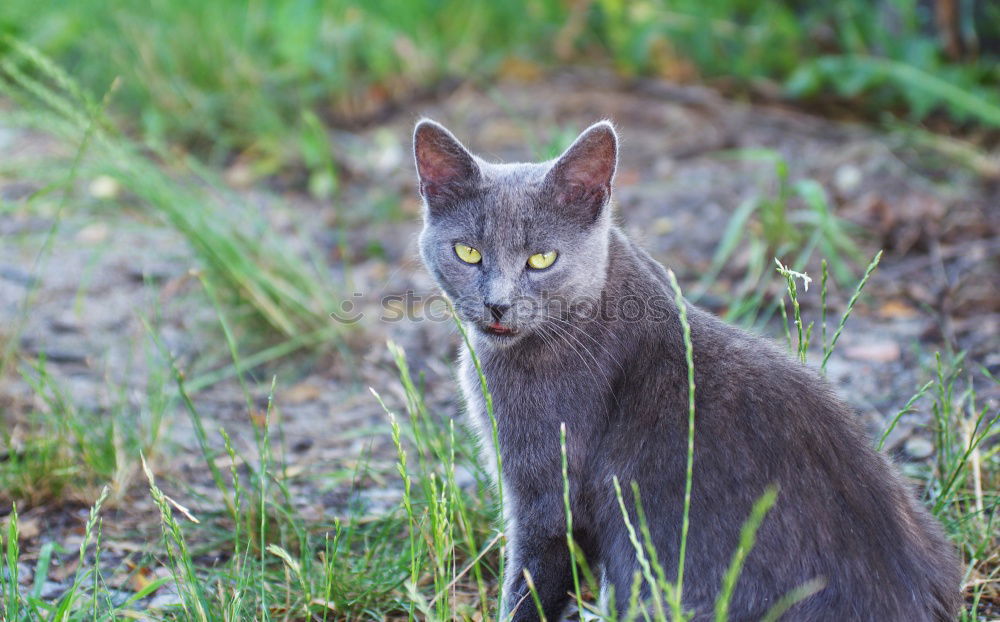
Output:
x=843 y=514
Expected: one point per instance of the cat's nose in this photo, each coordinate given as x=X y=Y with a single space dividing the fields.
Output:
x=497 y=310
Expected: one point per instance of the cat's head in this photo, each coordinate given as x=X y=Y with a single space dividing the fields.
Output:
x=515 y=246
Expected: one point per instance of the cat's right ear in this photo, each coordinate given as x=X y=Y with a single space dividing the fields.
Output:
x=580 y=180
x=445 y=168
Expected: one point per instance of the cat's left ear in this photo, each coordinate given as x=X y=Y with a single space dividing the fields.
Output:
x=580 y=180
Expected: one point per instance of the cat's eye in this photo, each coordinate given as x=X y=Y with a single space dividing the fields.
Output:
x=468 y=254
x=540 y=261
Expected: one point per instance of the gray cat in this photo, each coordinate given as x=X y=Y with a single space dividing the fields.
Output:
x=573 y=323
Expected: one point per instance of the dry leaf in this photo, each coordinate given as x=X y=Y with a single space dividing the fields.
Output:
x=896 y=308
x=301 y=393
x=520 y=69
x=141 y=578
x=259 y=417
x=27 y=527
x=64 y=571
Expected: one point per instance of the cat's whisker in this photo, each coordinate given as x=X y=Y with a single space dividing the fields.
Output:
x=576 y=349
x=607 y=376
x=554 y=333
x=579 y=347
x=557 y=330
x=580 y=330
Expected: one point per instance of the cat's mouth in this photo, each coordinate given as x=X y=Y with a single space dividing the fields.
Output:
x=498 y=330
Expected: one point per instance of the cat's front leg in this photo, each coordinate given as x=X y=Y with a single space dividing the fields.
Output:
x=539 y=546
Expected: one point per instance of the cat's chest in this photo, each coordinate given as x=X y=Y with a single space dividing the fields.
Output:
x=530 y=395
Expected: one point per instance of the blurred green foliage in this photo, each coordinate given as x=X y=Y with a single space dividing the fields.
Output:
x=252 y=75
x=238 y=74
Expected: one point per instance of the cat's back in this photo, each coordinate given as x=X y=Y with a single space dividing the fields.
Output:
x=764 y=418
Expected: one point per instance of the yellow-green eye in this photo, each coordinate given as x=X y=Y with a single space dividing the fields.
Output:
x=540 y=261
x=467 y=253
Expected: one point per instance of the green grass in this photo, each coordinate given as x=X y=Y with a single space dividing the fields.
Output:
x=260 y=78
x=62 y=451
x=233 y=243
x=232 y=75
x=795 y=220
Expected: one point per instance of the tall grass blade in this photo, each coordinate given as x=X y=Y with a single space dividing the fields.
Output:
x=689 y=473
x=789 y=600
x=9 y=578
x=907 y=408
x=181 y=565
x=850 y=307
x=643 y=561
x=570 y=542
x=748 y=536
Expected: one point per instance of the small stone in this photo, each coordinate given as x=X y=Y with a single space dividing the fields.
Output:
x=662 y=226
x=7 y=137
x=66 y=322
x=24 y=573
x=52 y=590
x=847 y=178
x=18 y=276
x=151 y=271
x=165 y=597
x=876 y=351
x=918 y=448
x=118 y=597
x=94 y=233
x=239 y=175
x=64 y=355
x=302 y=445
x=105 y=187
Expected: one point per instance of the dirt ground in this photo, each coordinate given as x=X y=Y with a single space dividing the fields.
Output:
x=678 y=184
